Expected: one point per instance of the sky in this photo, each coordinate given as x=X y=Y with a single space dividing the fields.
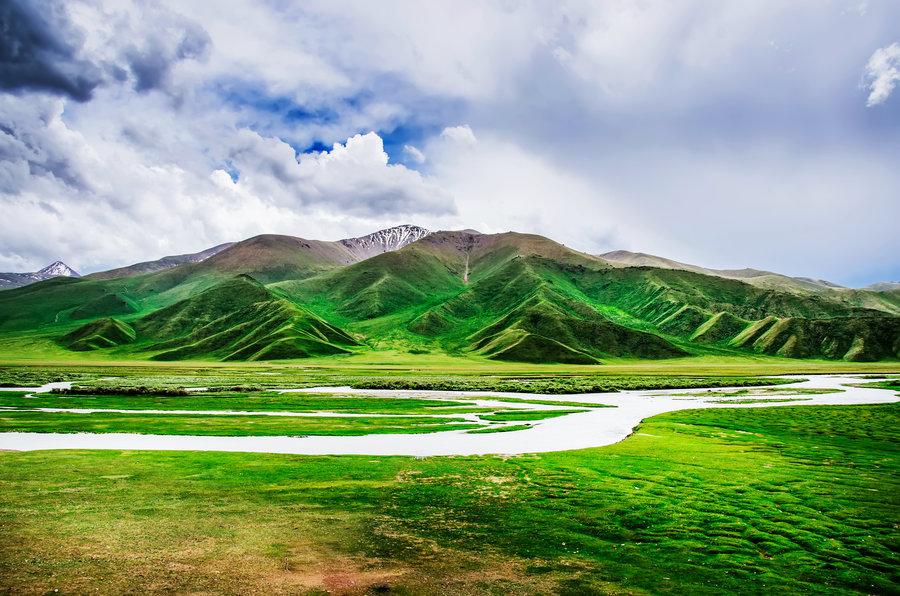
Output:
x=725 y=134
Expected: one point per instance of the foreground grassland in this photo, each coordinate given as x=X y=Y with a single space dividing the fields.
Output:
x=405 y=371
x=229 y=426
x=777 y=500
x=390 y=363
x=242 y=402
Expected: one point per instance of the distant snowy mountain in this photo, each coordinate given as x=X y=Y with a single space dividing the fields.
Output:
x=384 y=241
x=54 y=269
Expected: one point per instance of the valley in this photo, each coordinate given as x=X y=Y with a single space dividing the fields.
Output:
x=449 y=298
x=455 y=412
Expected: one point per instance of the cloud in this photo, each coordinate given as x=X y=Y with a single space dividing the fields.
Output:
x=101 y=199
x=70 y=49
x=172 y=40
x=354 y=177
x=500 y=186
x=882 y=73
x=460 y=134
x=641 y=122
x=412 y=153
x=34 y=143
x=39 y=51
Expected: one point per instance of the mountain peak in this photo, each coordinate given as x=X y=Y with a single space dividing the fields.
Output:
x=385 y=240
x=56 y=269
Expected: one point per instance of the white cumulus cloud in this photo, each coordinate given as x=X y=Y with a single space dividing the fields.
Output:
x=882 y=73
x=461 y=134
x=101 y=199
x=169 y=126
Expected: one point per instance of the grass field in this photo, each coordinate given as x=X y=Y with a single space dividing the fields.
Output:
x=235 y=426
x=779 y=500
x=794 y=499
x=244 y=402
x=399 y=370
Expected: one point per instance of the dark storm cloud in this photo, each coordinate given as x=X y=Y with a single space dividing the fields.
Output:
x=41 y=50
x=38 y=51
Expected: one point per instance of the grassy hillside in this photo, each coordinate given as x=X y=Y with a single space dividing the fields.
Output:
x=64 y=300
x=490 y=295
x=847 y=338
x=515 y=297
x=238 y=319
x=270 y=258
x=383 y=285
x=102 y=333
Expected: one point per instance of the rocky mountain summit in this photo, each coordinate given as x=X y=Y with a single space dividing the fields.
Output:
x=384 y=241
x=54 y=269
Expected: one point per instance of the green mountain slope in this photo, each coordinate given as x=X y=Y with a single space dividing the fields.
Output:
x=879 y=297
x=492 y=296
x=846 y=338
x=548 y=328
x=510 y=296
x=66 y=300
x=238 y=319
x=99 y=334
x=756 y=277
x=54 y=301
x=379 y=286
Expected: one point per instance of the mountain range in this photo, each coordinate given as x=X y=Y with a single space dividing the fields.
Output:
x=511 y=296
x=762 y=279
x=54 y=269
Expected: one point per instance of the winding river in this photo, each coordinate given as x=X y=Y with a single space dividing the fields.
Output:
x=593 y=428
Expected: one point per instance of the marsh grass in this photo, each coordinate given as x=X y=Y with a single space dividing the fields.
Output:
x=774 y=400
x=499 y=429
x=767 y=500
x=507 y=415
x=226 y=425
x=241 y=402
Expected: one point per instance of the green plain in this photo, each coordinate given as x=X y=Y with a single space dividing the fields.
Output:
x=775 y=500
x=220 y=425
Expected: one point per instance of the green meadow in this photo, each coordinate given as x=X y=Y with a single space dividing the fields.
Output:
x=777 y=500
x=231 y=426
x=790 y=499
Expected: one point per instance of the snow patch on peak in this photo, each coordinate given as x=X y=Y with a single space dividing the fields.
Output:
x=17 y=280
x=383 y=241
x=56 y=269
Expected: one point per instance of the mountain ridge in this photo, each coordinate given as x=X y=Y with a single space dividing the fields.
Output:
x=342 y=251
x=54 y=269
x=508 y=296
x=751 y=275
x=161 y=264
